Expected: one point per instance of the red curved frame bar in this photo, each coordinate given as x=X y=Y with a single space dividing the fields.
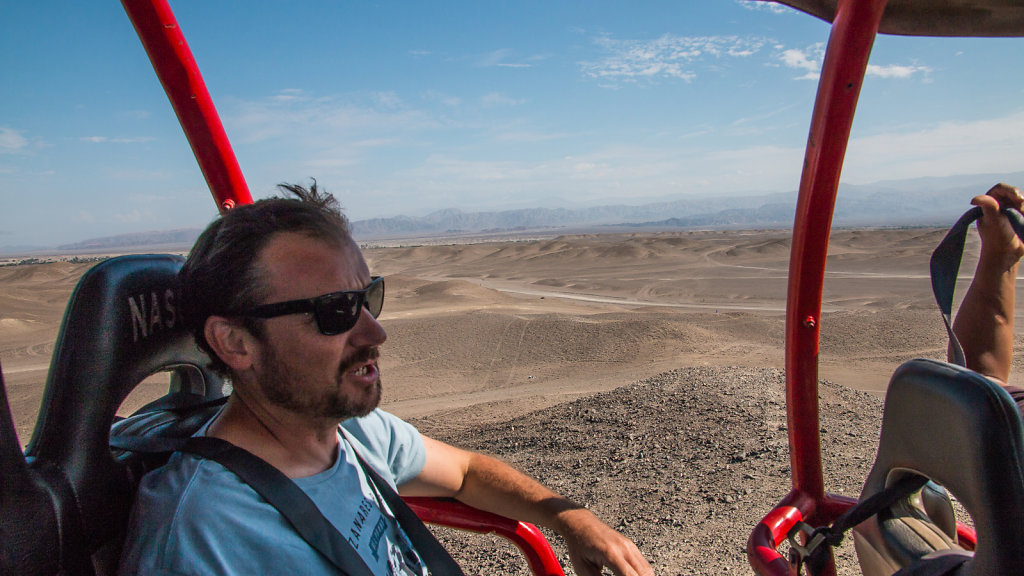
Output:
x=174 y=65
x=454 y=514
x=842 y=75
x=853 y=32
x=172 y=59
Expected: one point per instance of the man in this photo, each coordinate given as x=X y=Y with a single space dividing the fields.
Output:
x=984 y=323
x=280 y=296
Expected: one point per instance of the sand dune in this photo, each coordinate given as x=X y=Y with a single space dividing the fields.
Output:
x=542 y=321
x=516 y=331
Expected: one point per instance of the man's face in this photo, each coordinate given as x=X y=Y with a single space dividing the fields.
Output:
x=297 y=367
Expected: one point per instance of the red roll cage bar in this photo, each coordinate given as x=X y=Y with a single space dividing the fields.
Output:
x=174 y=65
x=855 y=24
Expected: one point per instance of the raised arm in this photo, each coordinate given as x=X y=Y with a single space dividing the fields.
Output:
x=489 y=484
x=984 y=323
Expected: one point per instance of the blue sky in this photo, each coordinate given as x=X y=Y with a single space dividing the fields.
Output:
x=407 y=108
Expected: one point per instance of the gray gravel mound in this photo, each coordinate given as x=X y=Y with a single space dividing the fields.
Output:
x=685 y=463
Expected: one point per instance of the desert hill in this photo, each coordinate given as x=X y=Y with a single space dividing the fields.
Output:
x=638 y=373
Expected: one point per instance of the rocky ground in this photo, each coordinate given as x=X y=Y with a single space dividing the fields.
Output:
x=687 y=463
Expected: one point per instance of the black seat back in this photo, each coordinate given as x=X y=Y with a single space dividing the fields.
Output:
x=121 y=325
x=963 y=431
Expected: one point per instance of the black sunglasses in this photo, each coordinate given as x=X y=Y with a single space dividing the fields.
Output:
x=335 y=313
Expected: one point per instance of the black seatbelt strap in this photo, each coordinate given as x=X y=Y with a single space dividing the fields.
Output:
x=295 y=505
x=430 y=550
x=820 y=541
x=945 y=265
x=283 y=494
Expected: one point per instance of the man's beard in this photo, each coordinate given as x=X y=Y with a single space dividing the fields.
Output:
x=332 y=403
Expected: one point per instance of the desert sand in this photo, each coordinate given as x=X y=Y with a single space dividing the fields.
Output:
x=640 y=374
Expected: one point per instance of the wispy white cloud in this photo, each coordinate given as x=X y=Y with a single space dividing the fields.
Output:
x=388 y=99
x=290 y=95
x=11 y=141
x=761 y=117
x=136 y=114
x=897 y=71
x=128 y=217
x=944 y=149
x=84 y=216
x=500 y=58
x=667 y=57
x=322 y=121
x=492 y=99
x=619 y=173
x=528 y=136
x=119 y=140
x=139 y=174
x=446 y=99
x=809 y=60
x=763 y=6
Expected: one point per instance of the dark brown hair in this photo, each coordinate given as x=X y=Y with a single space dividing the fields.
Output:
x=221 y=276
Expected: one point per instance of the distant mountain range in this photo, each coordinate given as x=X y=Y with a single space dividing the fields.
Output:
x=917 y=202
x=182 y=236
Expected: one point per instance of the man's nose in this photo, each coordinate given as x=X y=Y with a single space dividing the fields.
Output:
x=367 y=331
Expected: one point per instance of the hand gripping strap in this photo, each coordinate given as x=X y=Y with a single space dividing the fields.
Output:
x=945 y=265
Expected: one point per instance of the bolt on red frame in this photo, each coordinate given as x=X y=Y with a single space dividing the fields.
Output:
x=842 y=74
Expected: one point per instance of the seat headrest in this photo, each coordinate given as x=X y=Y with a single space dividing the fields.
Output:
x=121 y=325
x=963 y=431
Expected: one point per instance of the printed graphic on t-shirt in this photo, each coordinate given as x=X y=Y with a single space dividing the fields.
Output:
x=382 y=545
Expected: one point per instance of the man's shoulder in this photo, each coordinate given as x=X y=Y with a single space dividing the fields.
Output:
x=389 y=443
x=193 y=516
x=187 y=480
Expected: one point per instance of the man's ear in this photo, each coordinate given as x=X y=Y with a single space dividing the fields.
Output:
x=232 y=343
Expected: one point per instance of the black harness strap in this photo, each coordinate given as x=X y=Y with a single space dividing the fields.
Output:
x=430 y=550
x=300 y=511
x=822 y=540
x=283 y=494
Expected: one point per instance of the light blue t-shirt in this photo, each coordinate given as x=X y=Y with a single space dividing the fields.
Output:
x=193 y=516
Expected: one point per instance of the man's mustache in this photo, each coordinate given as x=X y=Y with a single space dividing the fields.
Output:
x=360 y=356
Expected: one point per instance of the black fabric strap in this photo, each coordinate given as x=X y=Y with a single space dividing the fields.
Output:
x=430 y=550
x=859 y=512
x=300 y=511
x=281 y=493
x=945 y=265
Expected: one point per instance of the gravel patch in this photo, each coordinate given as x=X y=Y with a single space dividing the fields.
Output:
x=685 y=463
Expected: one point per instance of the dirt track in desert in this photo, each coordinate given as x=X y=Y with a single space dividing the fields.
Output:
x=639 y=374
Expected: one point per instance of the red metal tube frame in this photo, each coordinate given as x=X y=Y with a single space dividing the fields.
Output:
x=849 y=47
x=454 y=514
x=174 y=65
